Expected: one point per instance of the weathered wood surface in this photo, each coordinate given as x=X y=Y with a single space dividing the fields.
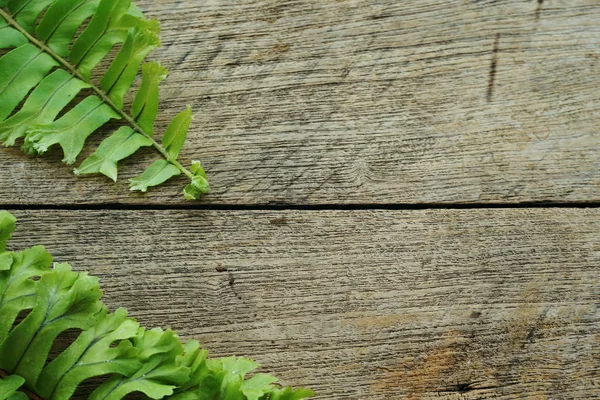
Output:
x=362 y=101
x=448 y=304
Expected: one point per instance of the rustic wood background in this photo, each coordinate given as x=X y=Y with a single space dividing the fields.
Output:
x=405 y=196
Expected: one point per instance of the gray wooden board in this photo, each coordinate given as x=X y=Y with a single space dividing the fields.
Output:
x=437 y=304
x=362 y=101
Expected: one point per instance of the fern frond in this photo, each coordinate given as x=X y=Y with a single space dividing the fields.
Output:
x=114 y=346
x=46 y=73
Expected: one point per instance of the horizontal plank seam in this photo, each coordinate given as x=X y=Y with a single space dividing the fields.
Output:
x=299 y=207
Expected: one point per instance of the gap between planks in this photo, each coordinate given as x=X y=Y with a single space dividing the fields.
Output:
x=299 y=207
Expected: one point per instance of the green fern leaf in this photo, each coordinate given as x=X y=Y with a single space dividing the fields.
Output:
x=21 y=70
x=7 y=227
x=226 y=379
x=26 y=12
x=10 y=37
x=46 y=75
x=159 y=172
x=194 y=358
x=9 y=387
x=71 y=131
x=42 y=106
x=110 y=25
x=111 y=345
x=117 y=147
x=176 y=132
x=145 y=105
x=159 y=375
x=258 y=386
x=92 y=355
x=17 y=287
x=122 y=72
x=290 y=394
x=61 y=21
x=64 y=300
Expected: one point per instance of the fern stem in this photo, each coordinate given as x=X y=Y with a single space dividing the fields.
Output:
x=103 y=96
x=30 y=394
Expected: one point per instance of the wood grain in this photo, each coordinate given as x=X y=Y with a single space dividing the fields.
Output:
x=447 y=304
x=361 y=101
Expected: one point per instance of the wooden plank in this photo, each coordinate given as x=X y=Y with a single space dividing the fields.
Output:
x=355 y=101
x=443 y=304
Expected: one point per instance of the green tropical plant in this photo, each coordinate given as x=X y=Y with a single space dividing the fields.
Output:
x=53 y=52
x=112 y=345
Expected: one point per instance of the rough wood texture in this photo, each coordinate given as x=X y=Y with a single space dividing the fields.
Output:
x=454 y=304
x=362 y=101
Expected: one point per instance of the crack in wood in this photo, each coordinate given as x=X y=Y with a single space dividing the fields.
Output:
x=538 y=10
x=493 y=68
